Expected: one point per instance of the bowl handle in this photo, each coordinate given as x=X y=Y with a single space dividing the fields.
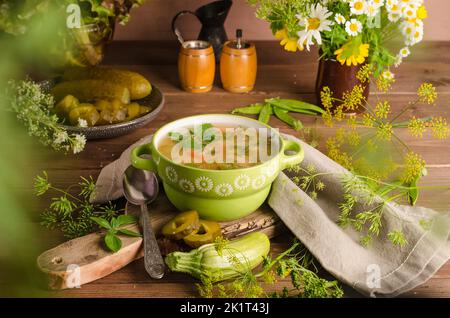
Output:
x=288 y=161
x=142 y=163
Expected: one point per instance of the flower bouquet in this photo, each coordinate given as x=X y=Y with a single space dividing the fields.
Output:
x=349 y=34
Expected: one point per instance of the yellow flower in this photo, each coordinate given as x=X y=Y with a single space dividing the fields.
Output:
x=414 y=166
x=290 y=44
x=422 y=13
x=427 y=93
x=352 y=53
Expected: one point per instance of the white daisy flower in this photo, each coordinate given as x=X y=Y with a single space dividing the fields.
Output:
x=409 y=11
x=378 y=3
x=405 y=52
x=224 y=189
x=79 y=143
x=392 y=6
x=353 y=27
x=394 y=17
x=242 y=182
x=204 y=184
x=358 y=7
x=171 y=174
x=340 y=19
x=418 y=36
x=413 y=32
x=187 y=186
x=82 y=123
x=315 y=23
x=258 y=182
x=388 y=75
x=371 y=10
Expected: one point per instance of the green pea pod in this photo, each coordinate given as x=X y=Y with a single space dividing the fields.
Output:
x=294 y=105
x=266 y=112
x=288 y=119
x=253 y=109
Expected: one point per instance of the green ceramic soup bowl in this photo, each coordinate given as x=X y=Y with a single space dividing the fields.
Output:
x=219 y=195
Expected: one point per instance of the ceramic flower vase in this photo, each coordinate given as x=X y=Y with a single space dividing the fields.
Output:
x=340 y=79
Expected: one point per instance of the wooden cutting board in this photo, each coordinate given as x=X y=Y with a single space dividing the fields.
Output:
x=84 y=259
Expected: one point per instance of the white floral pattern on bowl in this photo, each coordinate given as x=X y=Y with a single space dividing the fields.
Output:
x=187 y=186
x=204 y=184
x=258 y=182
x=171 y=174
x=224 y=189
x=242 y=182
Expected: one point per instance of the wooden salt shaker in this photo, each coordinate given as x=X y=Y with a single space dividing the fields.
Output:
x=196 y=66
x=238 y=65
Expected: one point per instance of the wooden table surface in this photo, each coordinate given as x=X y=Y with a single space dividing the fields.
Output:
x=280 y=74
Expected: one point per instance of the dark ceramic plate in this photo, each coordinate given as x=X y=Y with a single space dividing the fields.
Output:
x=155 y=101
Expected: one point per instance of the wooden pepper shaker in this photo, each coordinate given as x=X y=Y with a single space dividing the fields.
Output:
x=196 y=66
x=238 y=65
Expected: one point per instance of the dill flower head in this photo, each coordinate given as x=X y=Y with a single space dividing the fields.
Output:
x=364 y=73
x=414 y=166
x=384 y=131
x=326 y=97
x=440 y=128
x=382 y=110
x=417 y=127
x=353 y=99
x=384 y=81
x=368 y=120
x=427 y=93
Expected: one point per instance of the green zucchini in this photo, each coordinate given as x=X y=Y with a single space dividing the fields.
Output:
x=244 y=253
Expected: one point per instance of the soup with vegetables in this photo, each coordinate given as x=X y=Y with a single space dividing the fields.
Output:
x=219 y=147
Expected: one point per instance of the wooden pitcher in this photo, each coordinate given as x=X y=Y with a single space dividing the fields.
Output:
x=196 y=66
x=238 y=67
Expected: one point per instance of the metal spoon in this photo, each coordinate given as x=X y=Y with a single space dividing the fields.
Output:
x=140 y=187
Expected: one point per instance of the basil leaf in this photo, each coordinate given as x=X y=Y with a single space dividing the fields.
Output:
x=129 y=233
x=125 y=219
x=102 y=222
x=112 y=242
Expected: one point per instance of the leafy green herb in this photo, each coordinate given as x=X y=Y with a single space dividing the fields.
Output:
x=296 y=263
x=112 y=241
x=200 y=136
x=33 y=109
x=73 y=214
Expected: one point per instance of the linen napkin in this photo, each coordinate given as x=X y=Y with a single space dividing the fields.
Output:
x=381 y=269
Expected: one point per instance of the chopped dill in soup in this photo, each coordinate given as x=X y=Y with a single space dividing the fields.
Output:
x=219 y=147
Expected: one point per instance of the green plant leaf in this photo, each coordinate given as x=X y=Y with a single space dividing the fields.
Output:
x=112 y=242
x=413 y=193
x=129 y=233
x=124 y=219
x=102 y=222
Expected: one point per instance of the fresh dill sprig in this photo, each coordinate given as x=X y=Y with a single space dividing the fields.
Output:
x=73 y=214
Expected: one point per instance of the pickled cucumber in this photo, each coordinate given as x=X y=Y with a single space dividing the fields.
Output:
x=63 y=108
x=89 y=90
x=137 y=84
x=85 y=112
